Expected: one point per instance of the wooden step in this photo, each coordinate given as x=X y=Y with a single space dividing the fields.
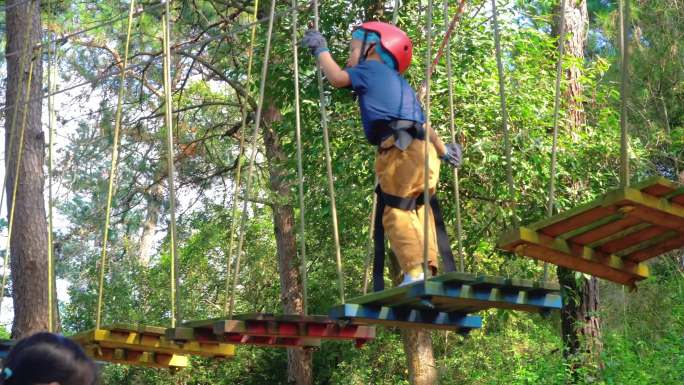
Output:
x=611 y=236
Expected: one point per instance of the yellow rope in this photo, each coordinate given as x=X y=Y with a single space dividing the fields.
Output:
x=15 y=187
x=168 y=107
x=426 y=168
x=112 y=171
x=10 y=148
x=300 y=171
x=236 y=189
x=52 y=86
x=452 y=131
x=624 y=11
x=252 y=158
x=328 y=165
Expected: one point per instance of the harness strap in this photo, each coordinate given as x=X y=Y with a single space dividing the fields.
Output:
x=443 y=244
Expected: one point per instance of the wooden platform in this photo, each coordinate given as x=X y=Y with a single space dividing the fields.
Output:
x=271 y=330
x=145 y=346
x=445 y=300
x=611 y=236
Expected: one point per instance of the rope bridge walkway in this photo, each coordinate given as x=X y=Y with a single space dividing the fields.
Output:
x=146 y=346
x=269 y=330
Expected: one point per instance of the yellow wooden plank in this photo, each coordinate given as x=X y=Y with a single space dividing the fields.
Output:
x=131 y=340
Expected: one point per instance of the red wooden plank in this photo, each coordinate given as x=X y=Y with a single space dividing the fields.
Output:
x=678 y=200
x=288 y=329
x=657 y=190
x=578 y=221
x=657 y=217
x=605 y=230
x=633 y=239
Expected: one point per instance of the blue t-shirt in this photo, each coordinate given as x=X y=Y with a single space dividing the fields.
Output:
x=384 y=95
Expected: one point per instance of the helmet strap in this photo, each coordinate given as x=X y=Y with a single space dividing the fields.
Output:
x=365 y=47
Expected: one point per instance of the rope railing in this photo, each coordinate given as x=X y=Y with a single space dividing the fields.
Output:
x=452 y=131
x=168 y=119
x=238 y=171
x=328 y=164
x=300 y=171
x=427 y=144
x=556 y=115
x=112 y=172
x=504 y=114
x=52 y=123
x=252 y=160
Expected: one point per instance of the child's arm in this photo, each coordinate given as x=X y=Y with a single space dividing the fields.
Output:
x=315 y=42
x=437 y=142
x=337 y=77
x=450 y=153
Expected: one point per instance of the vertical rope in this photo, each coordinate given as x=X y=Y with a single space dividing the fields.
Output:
x=300 y=171
x=624 y=93
x=556 y=113
x=452 y=131
x=426 y=144
x=328 y=163
x=371 y=240
x=252 y=159
x=168 y=107
x=112 y=170
x=238 y=179
x=52 y=123
x=10 y=146
x=504 y=113
x=15 y=187
x=395 y=12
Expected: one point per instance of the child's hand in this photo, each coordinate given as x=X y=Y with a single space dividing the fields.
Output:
x=453 y=155
x=315 y=42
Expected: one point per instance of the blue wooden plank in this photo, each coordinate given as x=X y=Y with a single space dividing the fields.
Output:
x=480 y=298
x=406 y=317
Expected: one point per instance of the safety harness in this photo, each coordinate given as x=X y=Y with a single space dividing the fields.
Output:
x=404 y=132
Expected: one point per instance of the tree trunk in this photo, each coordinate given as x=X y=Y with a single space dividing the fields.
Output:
x=29 y=233
x=579 y=317
x=299 y=362
x=576 y=23
x=420 y=359
x=155 y=198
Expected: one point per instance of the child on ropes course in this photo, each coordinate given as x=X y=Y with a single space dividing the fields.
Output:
x=393 y=120
x=50 y=359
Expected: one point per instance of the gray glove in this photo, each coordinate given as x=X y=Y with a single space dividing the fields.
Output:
x=315 y=42
x=454 y=155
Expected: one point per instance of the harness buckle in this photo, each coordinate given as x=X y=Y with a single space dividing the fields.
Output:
x=405 y=131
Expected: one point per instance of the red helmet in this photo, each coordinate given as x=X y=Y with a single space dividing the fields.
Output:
x=394 y=40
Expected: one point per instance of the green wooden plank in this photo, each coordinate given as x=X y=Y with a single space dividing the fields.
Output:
x=652 y=181
x=648 y=243
x=383 y=297
x=596 y=203
x=673 y=194
x=205 y=323
x=619 y=235
x=181 y=333
x=455 y=276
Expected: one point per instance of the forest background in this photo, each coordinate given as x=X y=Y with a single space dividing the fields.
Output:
x=642 y=332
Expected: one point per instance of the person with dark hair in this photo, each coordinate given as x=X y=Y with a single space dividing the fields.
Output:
x=47 y=359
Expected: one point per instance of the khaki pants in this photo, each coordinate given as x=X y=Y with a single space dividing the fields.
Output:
x=401 y=173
